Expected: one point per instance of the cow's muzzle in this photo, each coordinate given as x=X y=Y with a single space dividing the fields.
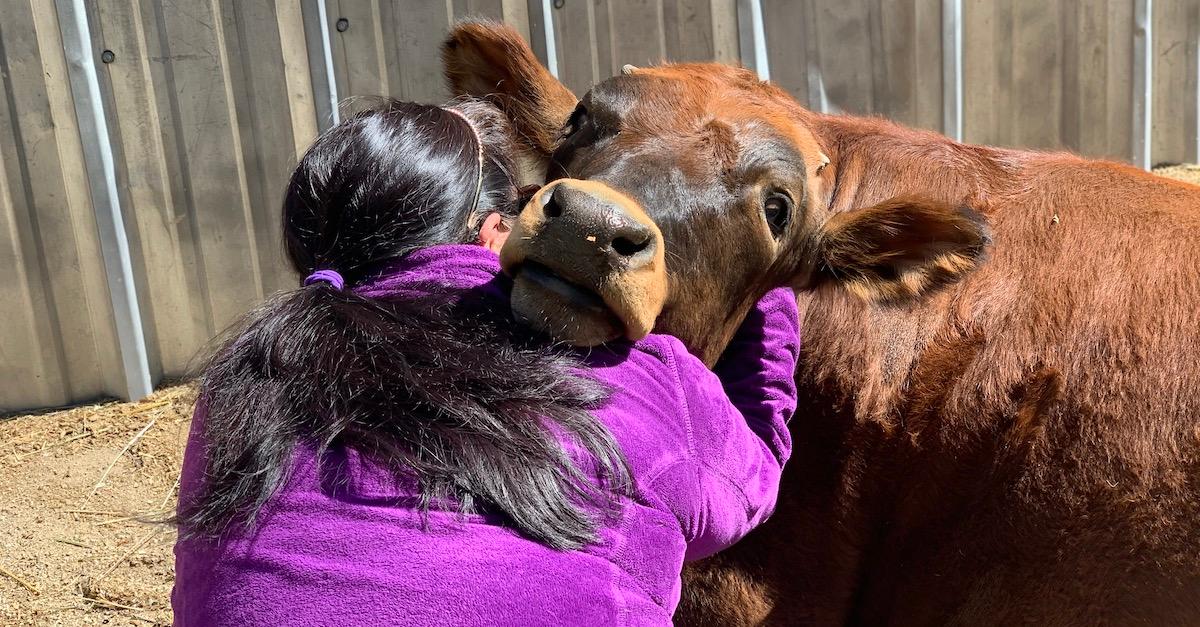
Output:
x=587 y=264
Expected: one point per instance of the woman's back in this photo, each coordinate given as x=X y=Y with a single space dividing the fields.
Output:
x=346 y=542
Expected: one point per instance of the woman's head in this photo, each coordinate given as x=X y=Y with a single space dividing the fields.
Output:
x=460 y=397
x=395 y=178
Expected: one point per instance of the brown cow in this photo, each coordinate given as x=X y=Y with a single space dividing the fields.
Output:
x=1022 y=446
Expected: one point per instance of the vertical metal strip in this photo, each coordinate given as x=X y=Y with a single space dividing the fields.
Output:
x=1194 y=33
x=550 y=38
x=542 y=34
x=327 y=54
x=1143 y=82
x=320 y=60
x=752 y=38
x=106 y=203
x=952 y=76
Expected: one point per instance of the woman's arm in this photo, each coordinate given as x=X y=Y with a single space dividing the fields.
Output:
x=738 y=420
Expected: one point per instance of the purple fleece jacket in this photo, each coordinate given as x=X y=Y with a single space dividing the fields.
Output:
x=705 y=455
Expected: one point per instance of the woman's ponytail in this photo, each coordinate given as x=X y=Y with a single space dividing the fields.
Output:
x=461 y=400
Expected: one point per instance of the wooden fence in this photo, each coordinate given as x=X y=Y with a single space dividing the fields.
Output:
x=144 y=144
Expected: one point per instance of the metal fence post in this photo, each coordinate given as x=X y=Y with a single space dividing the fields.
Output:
x=752 y=38
x=106 y=203
x=952 y=53
x=541 y=34
x=320 y=63
x=1143 y=82
x=1194 y=152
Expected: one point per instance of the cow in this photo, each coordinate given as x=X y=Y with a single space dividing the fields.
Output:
x=1018 y=443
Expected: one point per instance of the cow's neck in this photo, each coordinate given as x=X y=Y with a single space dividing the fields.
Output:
x=872 y=160
x=866 y=354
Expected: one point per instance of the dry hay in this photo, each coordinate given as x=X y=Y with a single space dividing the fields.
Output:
x=73 y=552
x=1184 y=172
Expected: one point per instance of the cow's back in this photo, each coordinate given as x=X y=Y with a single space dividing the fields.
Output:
x=1065 y=453
x=1023 y=446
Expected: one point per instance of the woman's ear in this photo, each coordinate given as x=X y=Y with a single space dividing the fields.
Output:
x=494 y=232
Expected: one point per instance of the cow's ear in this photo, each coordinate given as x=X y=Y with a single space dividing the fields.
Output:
x=490 y=60
x=901 y=248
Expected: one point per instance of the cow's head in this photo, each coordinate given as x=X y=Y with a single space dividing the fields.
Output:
x=683 y=193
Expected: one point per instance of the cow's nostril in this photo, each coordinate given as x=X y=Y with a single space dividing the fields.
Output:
x=550 y=206
x=627 y=247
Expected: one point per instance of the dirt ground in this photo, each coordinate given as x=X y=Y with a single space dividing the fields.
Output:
x=80 y=490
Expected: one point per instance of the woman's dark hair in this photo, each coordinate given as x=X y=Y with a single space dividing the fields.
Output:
x=396 y=178
x=460 y=400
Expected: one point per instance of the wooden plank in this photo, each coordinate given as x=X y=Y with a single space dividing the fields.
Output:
x=30 y=372
x=688 y=30
x=359 y=52
x=267 y=82
x=1049 y=75
x=265 y=128
x=725 y=31
x=871 y=56
x=55 y=209
x=31 y=358
x=1174 y=84
x=297 y=77
x=636 y=32
x=889 y=95
x=927 y=64
x=1037 y=74
x=986 y=35
x=515 y=13
x=1079 y=45
x=597 y=37
x=212 y=179
x=1096 y=115
x=785 y=23
x=578 y=58
x=606 y=65
x=701 y=30
x=1117 y=97
x=844 y=54
x=412 y=34
x=1003 y=75
x=178 y=215
x=894 y=60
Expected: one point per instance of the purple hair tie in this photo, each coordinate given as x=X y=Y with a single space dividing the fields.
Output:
x=328 y=276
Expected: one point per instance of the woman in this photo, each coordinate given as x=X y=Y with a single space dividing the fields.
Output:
x=386 y=446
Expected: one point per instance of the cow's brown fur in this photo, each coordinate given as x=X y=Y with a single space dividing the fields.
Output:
x=1019 y=448
x=1023 y=446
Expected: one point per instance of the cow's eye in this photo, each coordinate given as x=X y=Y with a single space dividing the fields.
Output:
x=578 y=119
x=777 y=209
